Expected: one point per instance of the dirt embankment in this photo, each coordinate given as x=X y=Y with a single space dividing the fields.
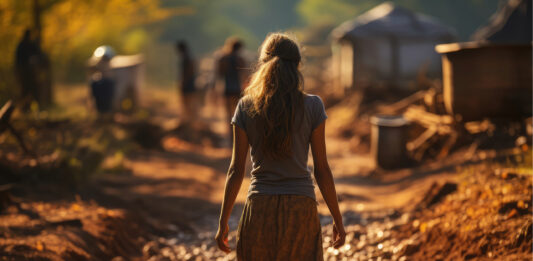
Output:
x=63 y=229
x=486 y=215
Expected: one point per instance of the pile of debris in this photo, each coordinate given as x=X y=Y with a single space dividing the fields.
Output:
x=486 y=215
x=432 y=133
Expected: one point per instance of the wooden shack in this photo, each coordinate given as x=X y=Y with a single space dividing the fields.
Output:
x=387 y=46
x=486 y=80
x=491 y=77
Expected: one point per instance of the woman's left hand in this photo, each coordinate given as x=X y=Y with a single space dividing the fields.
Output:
x=222 y=238
x=339 y=235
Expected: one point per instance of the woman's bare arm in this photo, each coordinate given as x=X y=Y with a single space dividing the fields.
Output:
x=324 y=180
x=233 y=184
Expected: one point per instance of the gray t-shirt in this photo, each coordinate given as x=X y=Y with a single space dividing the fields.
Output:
x=289 y=175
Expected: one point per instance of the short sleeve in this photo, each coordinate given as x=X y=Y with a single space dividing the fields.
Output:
x=318 y=112
x=239 y=118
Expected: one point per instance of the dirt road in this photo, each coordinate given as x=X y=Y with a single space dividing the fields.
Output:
x=181 y=187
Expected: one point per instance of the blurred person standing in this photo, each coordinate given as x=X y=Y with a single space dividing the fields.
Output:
x=33 y=71
x=187 y=76
x=278 y=121
x=231 y=66
x=26 y=63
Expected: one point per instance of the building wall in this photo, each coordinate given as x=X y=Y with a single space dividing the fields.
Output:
x=384 y=61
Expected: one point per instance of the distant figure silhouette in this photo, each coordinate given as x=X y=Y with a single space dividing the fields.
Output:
x=102 y=79
x=26 y=63
x=33 y=71
x=232 y=67
x=278 y=121
x=187 y=75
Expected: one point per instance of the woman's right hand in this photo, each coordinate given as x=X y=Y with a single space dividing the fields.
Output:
x=222 y=238
x=339 y=236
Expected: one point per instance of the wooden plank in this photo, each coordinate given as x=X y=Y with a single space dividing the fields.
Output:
x=448 y=145
x=415 y=144
x=442 y=123
x=403 y=103
x=5 y=115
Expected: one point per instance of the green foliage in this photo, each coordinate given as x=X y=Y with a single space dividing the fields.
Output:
x=13 y=21
x=72 y=29
x=332 y=12
x=213 y=21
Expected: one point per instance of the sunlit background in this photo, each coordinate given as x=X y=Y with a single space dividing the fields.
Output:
x=428 y=134
x=72 y=29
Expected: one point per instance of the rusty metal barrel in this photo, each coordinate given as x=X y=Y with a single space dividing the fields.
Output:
x=388 y=141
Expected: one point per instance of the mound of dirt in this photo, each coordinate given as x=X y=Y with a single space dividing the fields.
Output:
x=69 y=231
x=487 y=215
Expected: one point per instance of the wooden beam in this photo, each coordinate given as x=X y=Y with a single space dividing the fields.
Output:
x=442 y=123
x=5 y=115
x=403 y=103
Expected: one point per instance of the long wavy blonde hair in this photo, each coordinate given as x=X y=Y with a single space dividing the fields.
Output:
x=276 y=94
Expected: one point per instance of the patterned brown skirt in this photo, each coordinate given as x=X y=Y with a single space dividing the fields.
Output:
x=279 y=227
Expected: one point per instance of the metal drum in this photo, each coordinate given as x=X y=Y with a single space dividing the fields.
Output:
x=389 y=138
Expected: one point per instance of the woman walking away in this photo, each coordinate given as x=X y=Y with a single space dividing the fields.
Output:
x=231 y=67
x=279 y=121
x=186 y=85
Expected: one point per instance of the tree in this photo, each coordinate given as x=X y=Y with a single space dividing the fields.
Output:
x=71 y=29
